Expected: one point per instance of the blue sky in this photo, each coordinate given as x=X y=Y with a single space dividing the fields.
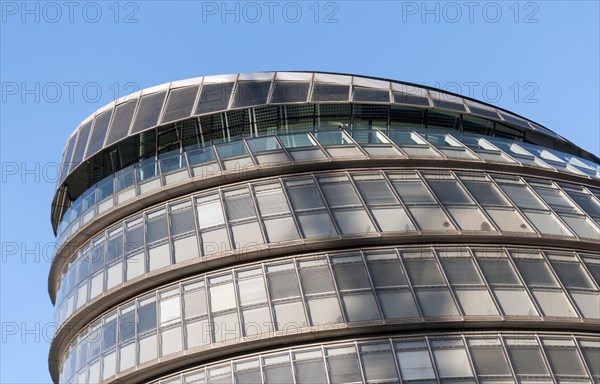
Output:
x=61 y=61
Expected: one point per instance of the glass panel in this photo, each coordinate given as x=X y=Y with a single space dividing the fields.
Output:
x=535 y=272
x=316 y=280
x=344 y=369
x=522 y=196
x=431 y=218
x=498 y=271
x=180 y=103
x=281 y=229
x=251 y=93
x=289 y=316
x=392 y=219
x=564 y=360
x=121 y=122
x=546 y=223
x=452 y=363
x=413 y=192
x=415 y=365
x=310 y=372
x=148 y=111
x=448 y=191
x=252 y=291
x=489 y=360
x=289 y=92
x=339 y=194
x=210 y=214
x=98 y=133
x=214 y=97
x=397 y=304
x=330 y=92
x=571 y=274
x=470 y=219
x=222 y=297
x=350 y=276
x=316 y=224
x=476 y=302
x=553 y=303
x=283 y=284
x=82 y=140
x=460 y=270
x=324 y=310
x=353 y=221
x=527 y=361
x=424 y=272
x=436 y=302
x=515 y=302
x=508 y=220
x=146 y=316
x=386 y=272
x=305 y=197
x=263 y=144
x=360 y=306
x=247 y=235
x=378 y=362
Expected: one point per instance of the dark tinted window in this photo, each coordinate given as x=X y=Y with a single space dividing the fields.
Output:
x=288 y=92
x=148 y=112
x=120 y=125
x=180 y=103
x=251 y=93
x=214 y=97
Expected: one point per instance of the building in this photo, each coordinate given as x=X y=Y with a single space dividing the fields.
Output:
x=322 y=228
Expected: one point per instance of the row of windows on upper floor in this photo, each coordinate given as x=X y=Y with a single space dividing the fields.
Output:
x=137 y=115
x=259 y=121
x=247 y=216
x=175 y=166
x=282 y=297
x=242 y=304
x=495 y=358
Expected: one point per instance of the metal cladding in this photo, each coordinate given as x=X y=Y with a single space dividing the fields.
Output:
x=310 y=227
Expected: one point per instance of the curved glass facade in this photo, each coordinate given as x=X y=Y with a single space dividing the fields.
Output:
x=318 y=228
x=281 y=211
x=367 y=287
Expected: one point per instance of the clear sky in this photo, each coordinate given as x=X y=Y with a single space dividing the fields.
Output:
x=60 y=61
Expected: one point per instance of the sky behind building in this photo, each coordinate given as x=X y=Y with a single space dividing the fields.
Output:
x=60 y=61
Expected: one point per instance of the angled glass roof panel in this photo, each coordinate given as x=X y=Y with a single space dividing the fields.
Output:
x=98 y=133
x=121 y=122
x=148 y=111
x=444 y=100
x=214 y=97
x=67 y=159
x=515 y=120
x=370 y=94
x=330 y=92
x=289 y=92
x=250 y=93
x=484 y=112
x=412 y=99
x=448 y=105
x=82 y=139
x=180 y=103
